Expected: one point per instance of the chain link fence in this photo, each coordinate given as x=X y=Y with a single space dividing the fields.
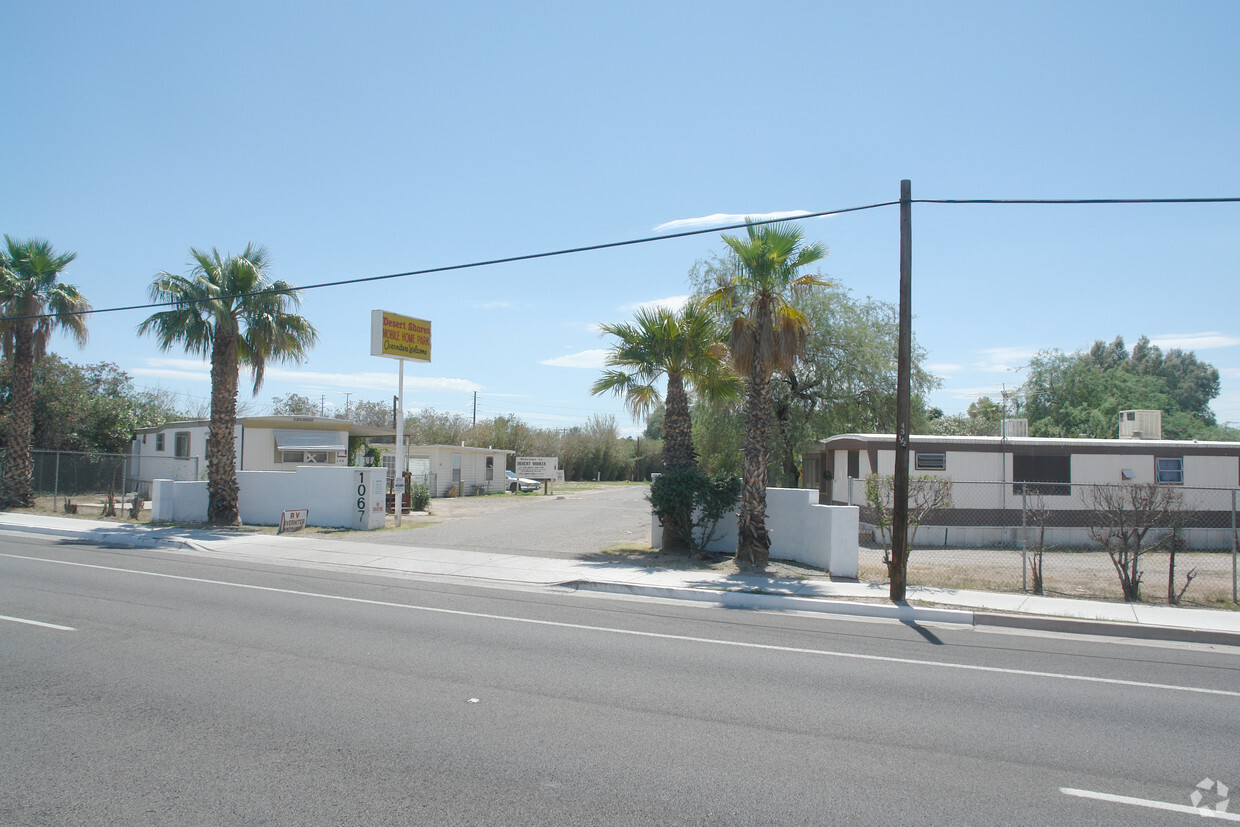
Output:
x=91 y=476
x=1178 y=544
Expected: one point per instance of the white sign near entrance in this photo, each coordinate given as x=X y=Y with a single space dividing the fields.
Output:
x=537 y=468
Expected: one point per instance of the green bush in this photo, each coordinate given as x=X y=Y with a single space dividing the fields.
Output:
x=420 y=498
x=691 y=503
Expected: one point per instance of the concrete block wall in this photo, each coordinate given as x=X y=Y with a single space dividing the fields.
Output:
x=801 y=530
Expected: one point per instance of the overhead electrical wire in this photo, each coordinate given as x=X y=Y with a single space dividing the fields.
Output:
x=643 y=240
x=470 y=265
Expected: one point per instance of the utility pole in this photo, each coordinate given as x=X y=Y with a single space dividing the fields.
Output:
x=475 y=407
x=323 y=404
x=899 y=508
x=347 y=394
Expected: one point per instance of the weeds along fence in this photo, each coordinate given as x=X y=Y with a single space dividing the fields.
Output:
x=60 y=474
x=1057 y=538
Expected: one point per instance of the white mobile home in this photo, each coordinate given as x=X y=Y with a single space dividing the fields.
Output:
x=443 y=468
x=994 y=477
x=178 y=450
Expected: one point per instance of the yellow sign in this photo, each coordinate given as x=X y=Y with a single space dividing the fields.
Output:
x=399 y=337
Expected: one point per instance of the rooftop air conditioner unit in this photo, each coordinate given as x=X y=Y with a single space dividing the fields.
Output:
x=1015 y=427
x=1140 y=424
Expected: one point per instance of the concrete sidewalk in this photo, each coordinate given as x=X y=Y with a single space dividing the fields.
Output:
x=753 y=591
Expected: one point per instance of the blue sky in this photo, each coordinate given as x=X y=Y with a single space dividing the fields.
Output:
x=380 y=138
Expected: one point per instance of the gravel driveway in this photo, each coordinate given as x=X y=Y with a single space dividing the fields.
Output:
x=568 y=525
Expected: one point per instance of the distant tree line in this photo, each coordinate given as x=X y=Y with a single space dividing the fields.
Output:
x=1081 y=394
x=593 y=450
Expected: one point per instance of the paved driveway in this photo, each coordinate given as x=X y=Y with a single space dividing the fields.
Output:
x=558 y=525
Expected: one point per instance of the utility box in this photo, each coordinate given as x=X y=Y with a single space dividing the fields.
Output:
x=1140 y=424
x=370 y=494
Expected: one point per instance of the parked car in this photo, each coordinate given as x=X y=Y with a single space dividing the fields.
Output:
x=515 y=482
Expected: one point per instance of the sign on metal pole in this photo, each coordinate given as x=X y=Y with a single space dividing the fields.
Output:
x=406 y=339
x=399 y=337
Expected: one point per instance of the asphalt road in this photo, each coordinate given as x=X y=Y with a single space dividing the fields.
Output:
x=567 y=525
x=169 y=689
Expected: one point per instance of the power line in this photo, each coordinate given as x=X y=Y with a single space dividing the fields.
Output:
x=635 y=241
x=1075 y=200
x=452 y=267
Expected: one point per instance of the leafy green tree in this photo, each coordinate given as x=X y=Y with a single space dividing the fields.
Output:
x=229 y=307
x=431 y=427
x=34 y=302
x=768 y=334
x=1082 y=393
x=365 y=412
x=294 y=404
x=88 y=407
x=983 y=418
x=654 y=422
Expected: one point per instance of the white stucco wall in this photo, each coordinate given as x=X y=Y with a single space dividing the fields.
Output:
x=800 y=528
x=331 y=494
x=173 y=501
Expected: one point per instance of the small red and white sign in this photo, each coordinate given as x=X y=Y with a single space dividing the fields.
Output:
x=293 y=519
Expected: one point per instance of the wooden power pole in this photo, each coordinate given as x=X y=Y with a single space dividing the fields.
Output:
x=898 y=569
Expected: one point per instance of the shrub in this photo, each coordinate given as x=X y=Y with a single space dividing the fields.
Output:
x=420 y=498
x=691 y=504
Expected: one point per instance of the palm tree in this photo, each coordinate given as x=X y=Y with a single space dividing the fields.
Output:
x=768 y=334
x=229 y=308
x=685 y=348
x=33 y=303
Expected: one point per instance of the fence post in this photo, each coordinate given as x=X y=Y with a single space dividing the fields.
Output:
x=56 y=484
x=1024 y=539
x=1234 y=598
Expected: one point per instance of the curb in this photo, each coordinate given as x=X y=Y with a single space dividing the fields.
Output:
x=785 y=602
x=1106 y=628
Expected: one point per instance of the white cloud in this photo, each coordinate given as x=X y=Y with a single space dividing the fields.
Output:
x=198 y=371
x=719 y=219
x=1004 y=359
x=1196 y=341
x=584 y=359
x=372 y=381
x=944 y=369
x=672 y=303
x=995 y=392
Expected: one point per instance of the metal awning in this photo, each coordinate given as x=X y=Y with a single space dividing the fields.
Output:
x=312 y=440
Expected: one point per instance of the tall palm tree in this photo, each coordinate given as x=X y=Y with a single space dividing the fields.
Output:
x=229 y=308
x=685 y=348
x=768 y=334
x=33 y=303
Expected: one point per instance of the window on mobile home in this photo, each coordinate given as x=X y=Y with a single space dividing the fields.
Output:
x=1049 y=475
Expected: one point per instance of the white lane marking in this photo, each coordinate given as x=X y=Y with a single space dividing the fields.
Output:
x=995 y=670
x=1147 y=803
x=38 y=623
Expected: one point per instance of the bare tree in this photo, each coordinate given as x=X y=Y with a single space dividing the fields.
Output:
x=925 y=494
x=1123 y=516
x=1036 y=515
x=1176 y=545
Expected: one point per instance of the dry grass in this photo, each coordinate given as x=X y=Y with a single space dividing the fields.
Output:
x=1083 y=574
